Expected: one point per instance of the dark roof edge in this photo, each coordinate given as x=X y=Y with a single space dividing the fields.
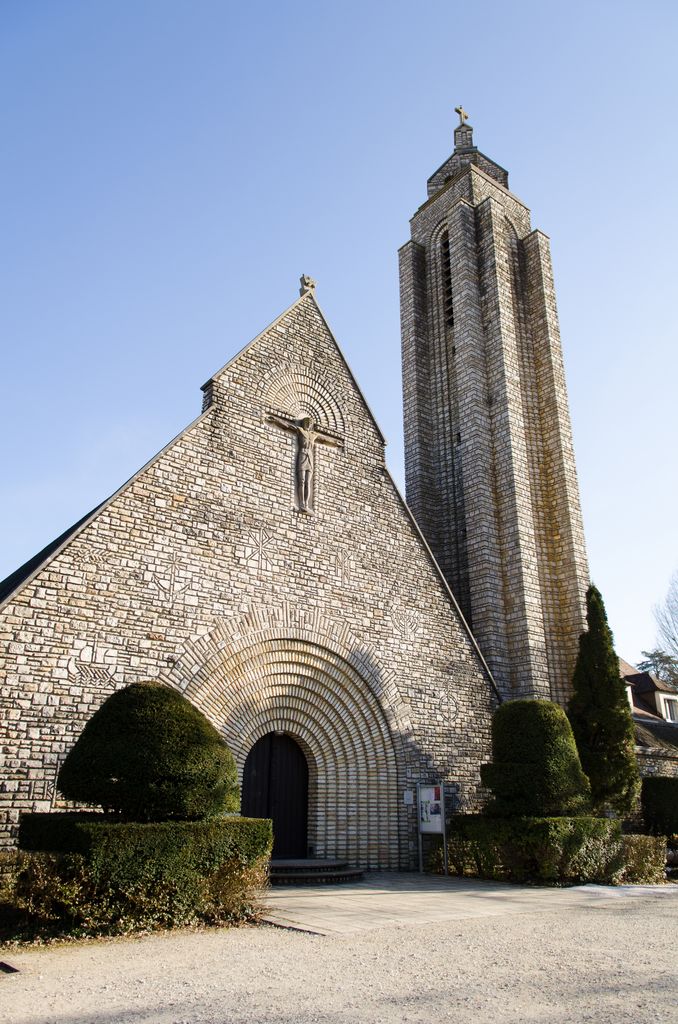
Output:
x=13 y=583
x=16 y=578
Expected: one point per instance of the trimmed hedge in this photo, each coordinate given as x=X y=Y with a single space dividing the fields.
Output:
x=85 y=875
x=552 y=851
x=659 y=800
x=11 y=863
x=148 y=755
x=128 y=850
x=535 y=769
x=644 y=860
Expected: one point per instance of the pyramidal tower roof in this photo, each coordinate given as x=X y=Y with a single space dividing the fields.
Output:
x=465 y=153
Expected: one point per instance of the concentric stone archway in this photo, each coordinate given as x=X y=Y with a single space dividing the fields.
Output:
x=279 y=678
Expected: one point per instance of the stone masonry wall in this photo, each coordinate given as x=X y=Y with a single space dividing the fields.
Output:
x=655 y=761
x=333 y=626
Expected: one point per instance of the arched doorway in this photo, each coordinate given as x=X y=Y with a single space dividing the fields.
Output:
x=275 y=785
x=260 y=674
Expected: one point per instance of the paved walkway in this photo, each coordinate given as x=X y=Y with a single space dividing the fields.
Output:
x=410 y=898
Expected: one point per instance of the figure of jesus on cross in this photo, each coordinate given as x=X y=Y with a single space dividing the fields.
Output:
x=307 y=438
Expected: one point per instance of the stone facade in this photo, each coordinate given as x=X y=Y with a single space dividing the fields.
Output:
x=330 y=623
x=490 y=468
x=657 y=761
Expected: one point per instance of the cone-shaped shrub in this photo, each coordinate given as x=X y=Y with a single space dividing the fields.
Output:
x=148 y=755
x=601 y=717
x=535 y=769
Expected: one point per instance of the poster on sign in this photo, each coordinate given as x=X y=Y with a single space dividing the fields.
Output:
x=431 y=809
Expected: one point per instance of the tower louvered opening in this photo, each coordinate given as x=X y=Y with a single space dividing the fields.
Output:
x=448 y=305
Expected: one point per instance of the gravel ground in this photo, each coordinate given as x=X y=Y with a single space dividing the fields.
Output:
x=614 y=963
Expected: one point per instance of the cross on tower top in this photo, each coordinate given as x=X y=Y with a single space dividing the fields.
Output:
x=463 y=116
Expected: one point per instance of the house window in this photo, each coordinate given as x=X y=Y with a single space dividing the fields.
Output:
x=671 y=709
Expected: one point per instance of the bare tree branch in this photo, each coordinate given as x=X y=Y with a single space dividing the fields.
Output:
x=666 y=617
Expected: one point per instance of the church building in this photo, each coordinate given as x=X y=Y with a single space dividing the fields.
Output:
x=347 y=645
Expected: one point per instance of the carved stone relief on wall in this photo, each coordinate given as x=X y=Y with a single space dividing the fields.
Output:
x=306 y=407
x=307 y=436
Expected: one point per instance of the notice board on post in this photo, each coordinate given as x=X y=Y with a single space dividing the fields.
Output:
x=431 y=817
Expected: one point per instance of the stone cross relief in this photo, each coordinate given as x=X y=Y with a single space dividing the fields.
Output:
x=308 y=436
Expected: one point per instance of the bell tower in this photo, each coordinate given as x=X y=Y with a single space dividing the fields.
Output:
x=489 y=461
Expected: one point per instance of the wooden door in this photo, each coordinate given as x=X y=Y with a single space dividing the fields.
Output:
x=275 y=785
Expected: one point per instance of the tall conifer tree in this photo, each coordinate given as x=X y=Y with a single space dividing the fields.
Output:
x=600 y=715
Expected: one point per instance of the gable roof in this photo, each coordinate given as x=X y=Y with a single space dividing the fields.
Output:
x=13 y=583
x=25 y=571
x=643 y=682
x=657 y=733
x=307 y=296
x=626 y=668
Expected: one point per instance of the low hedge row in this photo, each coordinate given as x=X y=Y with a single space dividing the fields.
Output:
x=84 y=875
x=552 y=851
x=126 y=850
x=659 y=801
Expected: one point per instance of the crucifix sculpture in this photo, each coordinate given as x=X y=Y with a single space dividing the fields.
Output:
x=463 y=116
x=307 y=438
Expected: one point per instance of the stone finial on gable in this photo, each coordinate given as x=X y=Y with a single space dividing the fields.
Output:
x=307 y=284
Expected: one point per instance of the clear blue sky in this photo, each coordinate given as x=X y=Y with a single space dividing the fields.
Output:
x=171 y=168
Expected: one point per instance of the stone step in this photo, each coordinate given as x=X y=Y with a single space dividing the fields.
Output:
x=306 y=864
x=312 y=872
x=318 y=878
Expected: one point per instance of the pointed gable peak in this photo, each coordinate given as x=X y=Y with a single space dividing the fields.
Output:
x=303 y=313
x=304 y=294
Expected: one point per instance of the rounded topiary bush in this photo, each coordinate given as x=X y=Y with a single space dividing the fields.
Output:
x=148 y=755
x=535 y=769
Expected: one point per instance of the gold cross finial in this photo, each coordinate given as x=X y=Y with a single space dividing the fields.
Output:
x=463 y=116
